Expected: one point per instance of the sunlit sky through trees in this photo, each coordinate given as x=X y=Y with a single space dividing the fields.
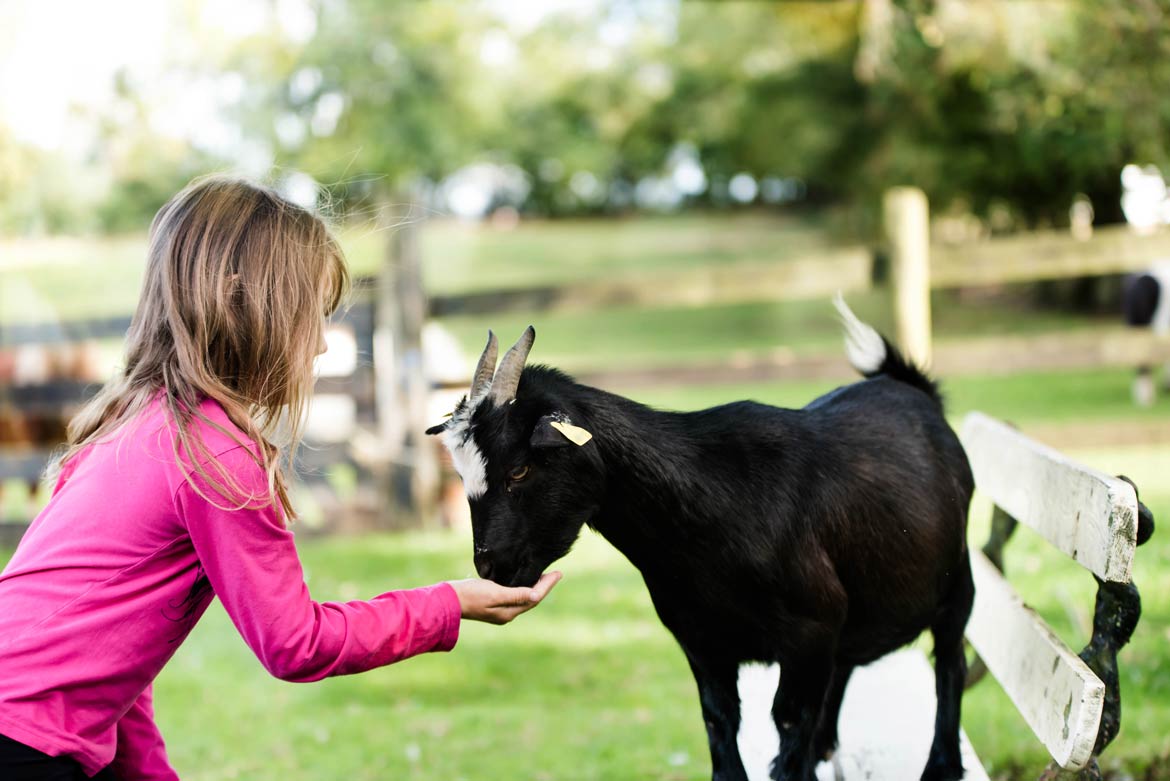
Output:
x=60 y=59
x=1015 y=108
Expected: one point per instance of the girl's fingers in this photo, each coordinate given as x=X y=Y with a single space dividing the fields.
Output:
x=544 y=585
x=528 y=597
x=521 y=600
x=514 y=597
x=483 y=600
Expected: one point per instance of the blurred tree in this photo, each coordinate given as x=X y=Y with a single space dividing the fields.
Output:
x=144 y=167
x=1007 y=108
x=41 y=192
x=381 y=94
x=1020 y=105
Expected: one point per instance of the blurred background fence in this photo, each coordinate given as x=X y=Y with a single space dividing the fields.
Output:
x=378 y=387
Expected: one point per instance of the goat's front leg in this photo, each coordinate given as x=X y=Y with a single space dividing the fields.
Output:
x=797 y=709
x=719 y=696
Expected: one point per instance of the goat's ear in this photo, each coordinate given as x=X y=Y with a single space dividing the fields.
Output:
x=439 y=429
x=557 y=431
x=544 y=435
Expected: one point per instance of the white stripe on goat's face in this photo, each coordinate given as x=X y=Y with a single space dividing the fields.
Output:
x=465 y=455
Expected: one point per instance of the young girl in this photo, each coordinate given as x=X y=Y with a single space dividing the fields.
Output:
x=172 y=491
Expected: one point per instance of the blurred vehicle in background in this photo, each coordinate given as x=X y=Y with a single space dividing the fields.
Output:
x=1145 y=296
x=1145 y=303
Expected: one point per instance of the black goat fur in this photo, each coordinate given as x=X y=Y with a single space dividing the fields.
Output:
x=820 y=538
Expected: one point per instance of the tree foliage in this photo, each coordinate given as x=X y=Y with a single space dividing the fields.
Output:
x=1009 y=107
x=1016 y=106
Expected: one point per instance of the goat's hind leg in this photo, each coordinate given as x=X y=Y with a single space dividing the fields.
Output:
x=825 y=738
x=797 y=710
x=945 y=762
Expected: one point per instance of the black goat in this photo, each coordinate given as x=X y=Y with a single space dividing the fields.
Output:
x=820 y=538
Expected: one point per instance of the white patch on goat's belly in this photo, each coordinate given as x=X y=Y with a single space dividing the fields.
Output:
x=758 y=740
x=468 y=461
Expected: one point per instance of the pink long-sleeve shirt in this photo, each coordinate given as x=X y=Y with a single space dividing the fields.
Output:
x=112 y=575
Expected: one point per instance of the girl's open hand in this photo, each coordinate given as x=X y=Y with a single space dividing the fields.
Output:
x=483 y=600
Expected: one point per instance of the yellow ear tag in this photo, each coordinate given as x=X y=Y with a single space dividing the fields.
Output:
x=575 y=434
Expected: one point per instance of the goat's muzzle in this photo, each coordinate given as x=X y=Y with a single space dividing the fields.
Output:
x=485 y=564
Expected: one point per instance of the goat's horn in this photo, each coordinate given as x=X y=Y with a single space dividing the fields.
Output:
x=507 y=378
x=482 y=379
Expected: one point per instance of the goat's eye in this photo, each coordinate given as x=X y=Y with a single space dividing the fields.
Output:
x=518 y=474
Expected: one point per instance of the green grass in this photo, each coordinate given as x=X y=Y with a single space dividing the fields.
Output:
x=68 y=279
x=461 y=257
x=97 y=277
x=588 y=686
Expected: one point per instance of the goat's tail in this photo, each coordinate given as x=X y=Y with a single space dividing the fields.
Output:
x=872 y=354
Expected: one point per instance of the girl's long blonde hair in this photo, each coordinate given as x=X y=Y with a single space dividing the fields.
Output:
x=238 y=284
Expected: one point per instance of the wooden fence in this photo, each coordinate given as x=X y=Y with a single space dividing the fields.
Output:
x=818 y=275
x=389 y=389
x=919 y=266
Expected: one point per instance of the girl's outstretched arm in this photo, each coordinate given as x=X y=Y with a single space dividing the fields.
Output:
x=252 y=565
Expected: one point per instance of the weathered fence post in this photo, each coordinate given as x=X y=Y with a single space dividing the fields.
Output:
x=412 y=471
x=907 y=225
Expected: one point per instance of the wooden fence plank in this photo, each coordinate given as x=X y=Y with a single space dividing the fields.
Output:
x=1088 y=515
x=1081 y=349
x=1111 y=249
x=1056 y=693
x=847 y=269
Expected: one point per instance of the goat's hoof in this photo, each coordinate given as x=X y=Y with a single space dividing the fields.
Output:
x=776 y=774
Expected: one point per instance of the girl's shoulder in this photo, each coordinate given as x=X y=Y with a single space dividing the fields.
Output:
x=216 y=457
x=223 y=463
x=154 y=431
x=217 y=430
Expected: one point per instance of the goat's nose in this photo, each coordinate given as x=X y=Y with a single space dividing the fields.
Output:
x=483 y=564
